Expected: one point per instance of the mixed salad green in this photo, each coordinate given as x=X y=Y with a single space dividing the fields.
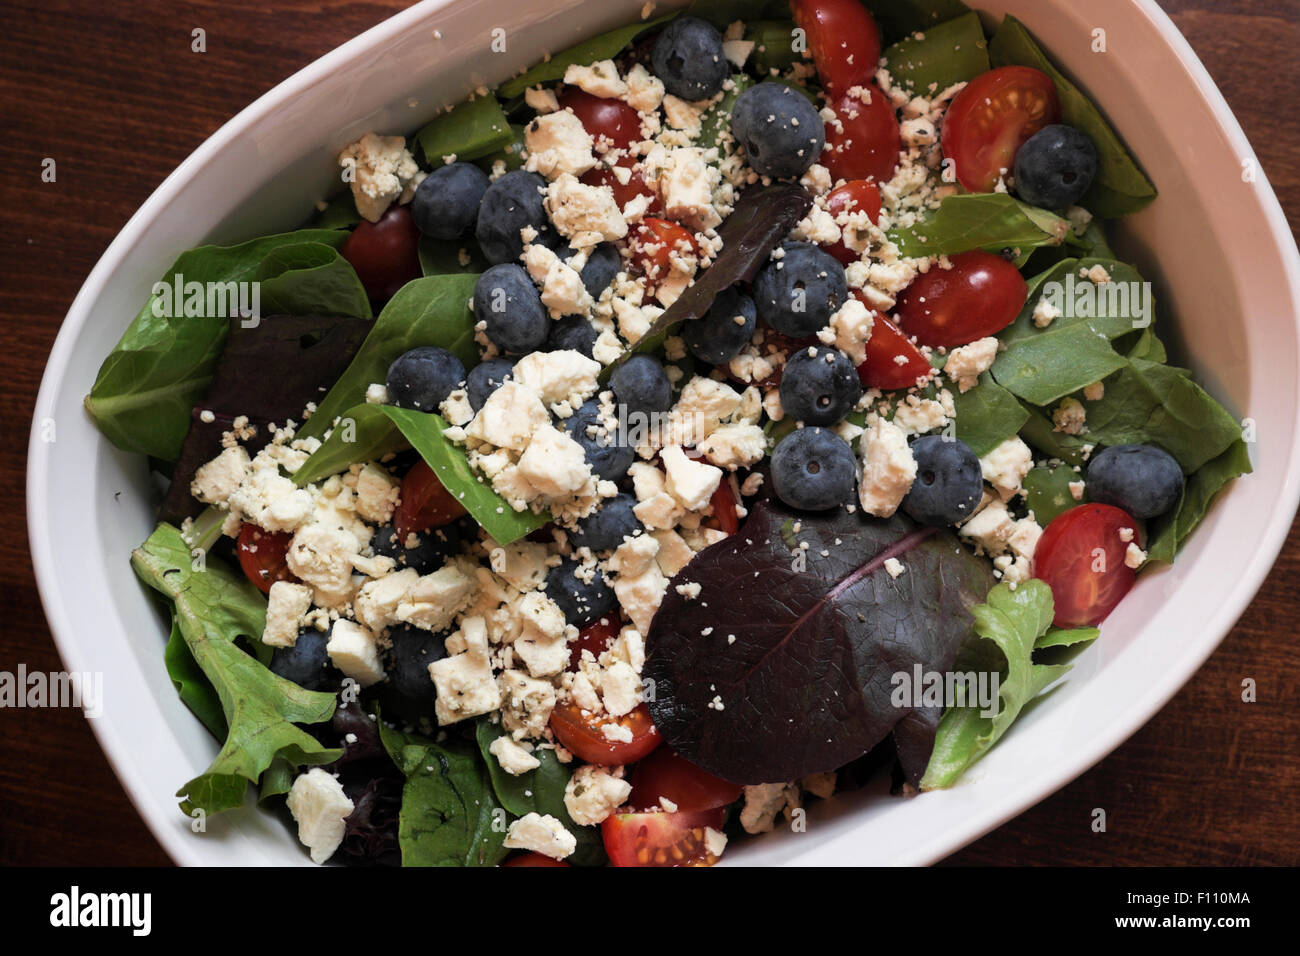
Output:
x=561 y=491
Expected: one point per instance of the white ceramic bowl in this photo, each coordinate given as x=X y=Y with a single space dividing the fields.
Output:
x=1218 y=247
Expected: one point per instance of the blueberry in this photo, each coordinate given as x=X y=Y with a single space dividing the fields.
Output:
x=688 y=57
x=307 y=663
x=608 y=458
x=412 y=651
x=581 y=600
x=716 y=336
x=642 y=385
x=819 y=386
x=948 y=481
x=607 y=527
x=603 y=264
x=428 y=550
x=799 y=292
x=422 y=377
x=572 y=332
x=1055 y=167
x=509 y=204
x=506 y=300
x=1144 y=480
x=446 y=204
x=813 y=470
x=485 y=378
x=782 y=132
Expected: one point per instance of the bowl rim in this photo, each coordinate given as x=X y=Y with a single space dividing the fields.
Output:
x=1247 y=580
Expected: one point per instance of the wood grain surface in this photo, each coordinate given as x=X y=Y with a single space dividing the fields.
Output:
x=113 y=92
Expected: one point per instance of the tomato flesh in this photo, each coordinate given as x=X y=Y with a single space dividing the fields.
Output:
x=581 y=733
x=262 y=556
x=660 y=839
x=865 y=142
x=624 y=193
x=724 y=515
x=979 y=296
x=989 y=120
x=688 y=787
x=843 y=39
x=385 y=254
x=1081 y=557
x=533 y=859
x=653 y=243
x=425 y=503
x=852 y=197
x=613 y=119
x=595 y=637
x=892 y=360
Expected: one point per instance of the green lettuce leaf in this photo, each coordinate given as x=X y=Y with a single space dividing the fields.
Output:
x=603 y=47
x=215 y=607
x=1120 y=187
x=450 y=815
x=1014 y=621
x=468 y=131
x=146 y=388
x=951 y=52
x=1167 y=533
x=192 y=685
x=430 y=311
x=990 y=221
x=899 y=18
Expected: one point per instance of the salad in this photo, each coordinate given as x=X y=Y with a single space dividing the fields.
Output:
x=727 y=409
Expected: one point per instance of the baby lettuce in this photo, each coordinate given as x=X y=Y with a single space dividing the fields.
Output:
x=192 y=685
x=1047 y=492
x=215 y=606
x=1120 y=187
x=471 y=130
x=804 y=686
x=993 y=222
x=450 y=815
x=951 y=52
x=1166 y=534
x=987 y=415
x=145 y=389
x=1016 y=622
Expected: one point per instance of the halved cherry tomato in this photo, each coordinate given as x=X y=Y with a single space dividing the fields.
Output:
x=660 y=839
x=843 y=39
x=624 y=193
x=863 y=141
x=532 y=859
x=385 y=254
x=582 y=734
x=653 y=244
x=595 y=637
x=724 y=516
x=262 y=556
x=980 y=295
x=600 y=116
x=990 y=120
x=887 y=345
x=425 y=503
x=664 y=774
x=856 y=196
x=1081 y=556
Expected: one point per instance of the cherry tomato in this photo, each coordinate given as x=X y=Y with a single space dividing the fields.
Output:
x=595 y=637
x=425 y=503
x=385 y=254
x=582 y=734
x=979 y=296
x=664 y=774
x=843 y=39
x=624 y=193
x=1081 y=556
x=856 y=196
x=613 y=119
x=863 y=142
x=724 y=516
x=660 y=839
x=990 y=120
x=532 y=859
x=653 y=244
x=882 y=368
x=262 y=556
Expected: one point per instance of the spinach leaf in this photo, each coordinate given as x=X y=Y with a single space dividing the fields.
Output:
x=987 y=415
x=715 y=124
x=1038 y=432
x=340 y=212
x=1049 y=366
x=539 y=791
x=990 y=221
x=898 y=18
x=951 y=52
x=450 y=815
x=144 y=391
x=439 y=258
x=603 y=47
x=1047 y=492
x=1167 y=533
x=722 y=13
x=214 y=607
x=1014 y=621
x=1120 y=187
x=430 y=311
x=773 y=46
x=512 y=153
x=468 y=131
x=369 y=432
x=310 y=278
x=804 y=686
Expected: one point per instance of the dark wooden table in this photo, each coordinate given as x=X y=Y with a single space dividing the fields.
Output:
x=115 y=94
